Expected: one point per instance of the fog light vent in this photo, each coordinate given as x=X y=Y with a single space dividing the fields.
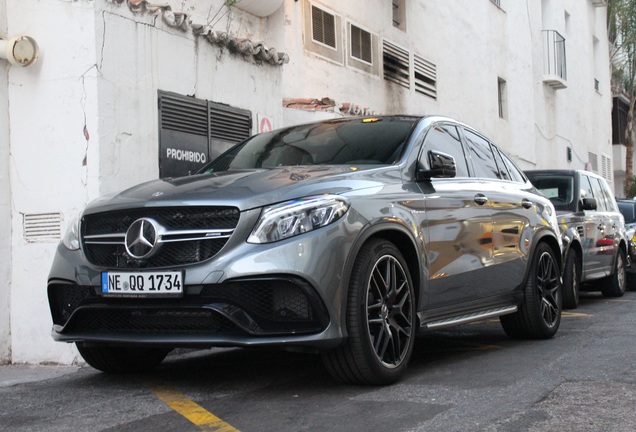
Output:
x=42 y=227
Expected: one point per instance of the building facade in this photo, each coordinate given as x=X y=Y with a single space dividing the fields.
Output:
x=125 y=91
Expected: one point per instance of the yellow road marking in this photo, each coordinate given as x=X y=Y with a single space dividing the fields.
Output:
x=192 y=411
x=574 y=314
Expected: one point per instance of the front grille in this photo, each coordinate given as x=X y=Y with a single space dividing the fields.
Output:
x=183 y=248
x=177 y=218
x=170 y=254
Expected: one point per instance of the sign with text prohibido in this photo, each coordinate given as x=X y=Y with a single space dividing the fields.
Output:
x=264 y=123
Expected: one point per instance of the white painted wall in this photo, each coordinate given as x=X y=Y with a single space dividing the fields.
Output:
x=5 y=203
x=473 y=43
x=49 y=104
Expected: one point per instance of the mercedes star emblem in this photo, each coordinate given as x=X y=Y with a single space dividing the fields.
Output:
x=141 y=238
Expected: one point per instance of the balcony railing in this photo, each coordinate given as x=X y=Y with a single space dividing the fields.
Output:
x=554 y=62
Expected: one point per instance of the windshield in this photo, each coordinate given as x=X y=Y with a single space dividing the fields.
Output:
x=337 y=142
x=558 y=188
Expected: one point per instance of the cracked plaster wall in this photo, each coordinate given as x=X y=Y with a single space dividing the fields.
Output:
x=138 y=55
x=50 y=103
x=84 y=122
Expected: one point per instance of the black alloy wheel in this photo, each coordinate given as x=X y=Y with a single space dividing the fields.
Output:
x=616 y=284
x=571 y=280
x=540 y=314
x=381 y=319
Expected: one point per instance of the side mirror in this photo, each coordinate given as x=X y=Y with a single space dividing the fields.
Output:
x=588 y=204
x=441 y=165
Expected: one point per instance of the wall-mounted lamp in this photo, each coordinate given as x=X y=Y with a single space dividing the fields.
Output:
x=19 y=50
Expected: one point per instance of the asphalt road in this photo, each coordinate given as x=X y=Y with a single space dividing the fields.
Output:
x=472 y=378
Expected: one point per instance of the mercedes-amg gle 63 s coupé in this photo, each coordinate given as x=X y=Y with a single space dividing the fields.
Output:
x=345 y=237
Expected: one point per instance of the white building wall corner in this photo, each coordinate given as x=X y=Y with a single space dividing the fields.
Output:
x=5 y=203
x=53 y=131
x=83 y=122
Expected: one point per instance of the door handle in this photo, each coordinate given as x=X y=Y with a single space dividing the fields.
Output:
x=601 y=227
x=481 y=199
x=526 y=203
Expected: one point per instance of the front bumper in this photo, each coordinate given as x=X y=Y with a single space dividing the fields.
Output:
x=276 y=310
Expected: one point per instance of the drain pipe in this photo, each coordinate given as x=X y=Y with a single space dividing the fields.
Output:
x=19 y=50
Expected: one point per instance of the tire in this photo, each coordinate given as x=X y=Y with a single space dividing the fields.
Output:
x=631 y=281
x=540 y=314
x=615 y=285
x=571 y=280
x=381 y=319
x=121 y=360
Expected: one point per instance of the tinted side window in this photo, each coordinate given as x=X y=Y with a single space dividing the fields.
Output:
x=627 y=209
x=445 y=139
x=586 y=187
x=481 y=154
x=514 y=172
x=609 y=198
x=503 y=171
x=598 y=194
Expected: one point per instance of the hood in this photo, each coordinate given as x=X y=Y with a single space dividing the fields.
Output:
x=247 y=189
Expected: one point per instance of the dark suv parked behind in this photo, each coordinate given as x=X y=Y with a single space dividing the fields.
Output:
x=346 y=237
x=593 y=230
x=627 y=208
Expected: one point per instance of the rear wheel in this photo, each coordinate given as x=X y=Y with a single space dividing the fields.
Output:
x=571 y=280
x=540 y=314
x=122 y=359
x=381 y=321
x=614 y=285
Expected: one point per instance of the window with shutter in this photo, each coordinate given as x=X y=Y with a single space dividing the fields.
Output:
x=323 y=27
x=322 y=33
x=361 y=44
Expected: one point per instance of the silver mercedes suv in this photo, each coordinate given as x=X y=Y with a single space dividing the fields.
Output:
x=345 y=237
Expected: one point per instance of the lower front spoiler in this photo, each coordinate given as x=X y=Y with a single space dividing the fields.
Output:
x=325 y=340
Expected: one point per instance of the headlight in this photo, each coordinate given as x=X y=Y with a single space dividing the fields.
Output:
x=281 y=221
x=71 y=238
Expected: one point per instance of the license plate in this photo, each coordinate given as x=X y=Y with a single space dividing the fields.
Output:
x=142 y=284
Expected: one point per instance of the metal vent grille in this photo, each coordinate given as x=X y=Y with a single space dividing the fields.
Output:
x=323 y=27
x=183 y=114
x=396 y=64
x=230 y=124
x=42 y=227
x=361 y=44
x=425 y=76
x=606 y=167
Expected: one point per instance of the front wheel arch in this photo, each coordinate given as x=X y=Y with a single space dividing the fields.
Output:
x=402 y=238
x=381 y=319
